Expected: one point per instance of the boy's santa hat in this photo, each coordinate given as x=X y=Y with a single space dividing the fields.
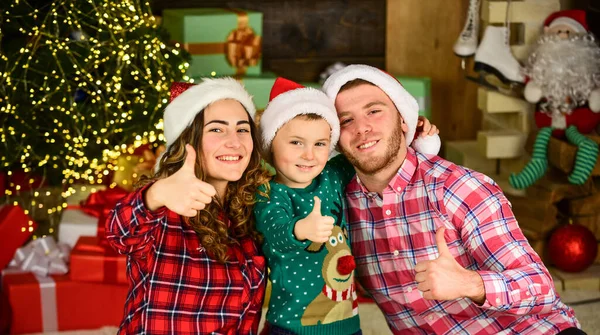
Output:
x=405 y=103
x=288 y=100
x=574 y=18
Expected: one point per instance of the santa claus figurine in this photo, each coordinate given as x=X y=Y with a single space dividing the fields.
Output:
x=563 y=75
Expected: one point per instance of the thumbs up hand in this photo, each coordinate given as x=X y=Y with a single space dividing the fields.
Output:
x=181 y=192
x=445 y=279
x=315 y=227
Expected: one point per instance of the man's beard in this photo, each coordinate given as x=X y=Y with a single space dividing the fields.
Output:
x=373 y=165
x=566 y=69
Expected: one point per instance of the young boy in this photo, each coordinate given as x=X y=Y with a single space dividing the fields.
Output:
x=302 y=221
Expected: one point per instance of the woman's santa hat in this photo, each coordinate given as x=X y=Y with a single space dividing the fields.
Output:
x=405 y=103
x=288 y=100
x=573 y=18
x=187 y=100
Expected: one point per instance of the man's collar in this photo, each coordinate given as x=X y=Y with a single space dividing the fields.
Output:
x=402 y=178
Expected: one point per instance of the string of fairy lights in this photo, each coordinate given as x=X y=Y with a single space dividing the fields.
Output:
x=87 y=85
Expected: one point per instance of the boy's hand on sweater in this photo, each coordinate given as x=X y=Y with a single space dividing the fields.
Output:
x=181 y=192
x=315 y=227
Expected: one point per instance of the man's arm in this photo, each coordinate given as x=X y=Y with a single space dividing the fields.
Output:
x=514 y=278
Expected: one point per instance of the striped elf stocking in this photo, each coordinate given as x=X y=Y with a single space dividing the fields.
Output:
x=538 y=164
x=585 y=158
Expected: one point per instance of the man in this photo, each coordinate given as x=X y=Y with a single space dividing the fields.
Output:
x=436 y=244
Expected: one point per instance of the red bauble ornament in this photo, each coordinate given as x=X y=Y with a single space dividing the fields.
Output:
x=572 y=248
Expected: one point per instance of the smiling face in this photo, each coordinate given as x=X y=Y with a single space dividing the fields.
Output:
x=372 y=130
x=300 y=151
x=226 y=143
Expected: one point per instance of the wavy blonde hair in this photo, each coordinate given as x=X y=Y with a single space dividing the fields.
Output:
x=239 y=198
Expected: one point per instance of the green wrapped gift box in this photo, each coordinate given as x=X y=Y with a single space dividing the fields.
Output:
x=222 y=41
x=420 y=88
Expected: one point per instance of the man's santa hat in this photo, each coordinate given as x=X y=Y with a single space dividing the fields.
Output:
x=288 y=100
x=405 y=103
x=573 y=18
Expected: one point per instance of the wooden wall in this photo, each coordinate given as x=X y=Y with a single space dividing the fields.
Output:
x=419 y=39
x=302 y=38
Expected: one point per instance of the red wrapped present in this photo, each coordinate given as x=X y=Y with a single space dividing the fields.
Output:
x=88 y=218
x=93 y=261
x=15 y=229
x=56 y=303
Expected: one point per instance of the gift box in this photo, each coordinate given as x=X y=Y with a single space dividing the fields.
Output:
x=75 y=223
x=259 y=88
x=57 y=303
x=15 y=229
x=94 y=261
x=88 y=218
x=221 y=41
x=420 y=88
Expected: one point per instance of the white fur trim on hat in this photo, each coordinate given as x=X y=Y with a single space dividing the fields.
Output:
x=578 y=27
x=405 y=103
x=290 y=104
x=180 y=113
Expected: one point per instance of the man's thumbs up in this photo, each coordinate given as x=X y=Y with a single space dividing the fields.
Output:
x=315 y=227
x=444 y=278
x=441 y=243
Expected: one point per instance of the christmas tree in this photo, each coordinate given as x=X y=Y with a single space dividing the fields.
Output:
x=81 y=82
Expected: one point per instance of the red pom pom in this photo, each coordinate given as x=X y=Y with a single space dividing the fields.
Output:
x=572 y=248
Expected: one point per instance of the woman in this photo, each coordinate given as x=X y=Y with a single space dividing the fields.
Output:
x=194 y=265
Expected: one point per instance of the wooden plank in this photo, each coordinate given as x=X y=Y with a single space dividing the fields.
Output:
x=494 y=11
x=429 y=53
x=554 y=187
x=537 y=216
x=562 y=154
x=501 y=143
x=309 y=69
x=587 y=206
x=465 y=153
x=518 y=121
x=588 y=279
x=494 y=102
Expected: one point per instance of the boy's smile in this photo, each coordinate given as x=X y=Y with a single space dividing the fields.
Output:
x=300 y=151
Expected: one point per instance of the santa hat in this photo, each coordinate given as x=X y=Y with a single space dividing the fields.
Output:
x=574 y=18
x=288 y=100
x=405 y=103
x=188 y=100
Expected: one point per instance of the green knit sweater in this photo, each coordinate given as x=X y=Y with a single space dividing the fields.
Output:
x=309 y=295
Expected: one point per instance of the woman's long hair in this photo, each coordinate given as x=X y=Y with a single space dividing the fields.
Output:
x=239 y=198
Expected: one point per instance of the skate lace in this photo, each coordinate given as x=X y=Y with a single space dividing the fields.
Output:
x=507 y=23
x=473 y=13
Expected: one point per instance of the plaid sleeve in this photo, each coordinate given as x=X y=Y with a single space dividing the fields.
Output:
x=276 y=221
x=130 y=224
x=515 y=279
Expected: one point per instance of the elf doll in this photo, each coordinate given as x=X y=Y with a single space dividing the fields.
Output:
x=564 y=81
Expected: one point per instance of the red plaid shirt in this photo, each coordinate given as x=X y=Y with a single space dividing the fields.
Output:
x=175 y=287
x=390 y=235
